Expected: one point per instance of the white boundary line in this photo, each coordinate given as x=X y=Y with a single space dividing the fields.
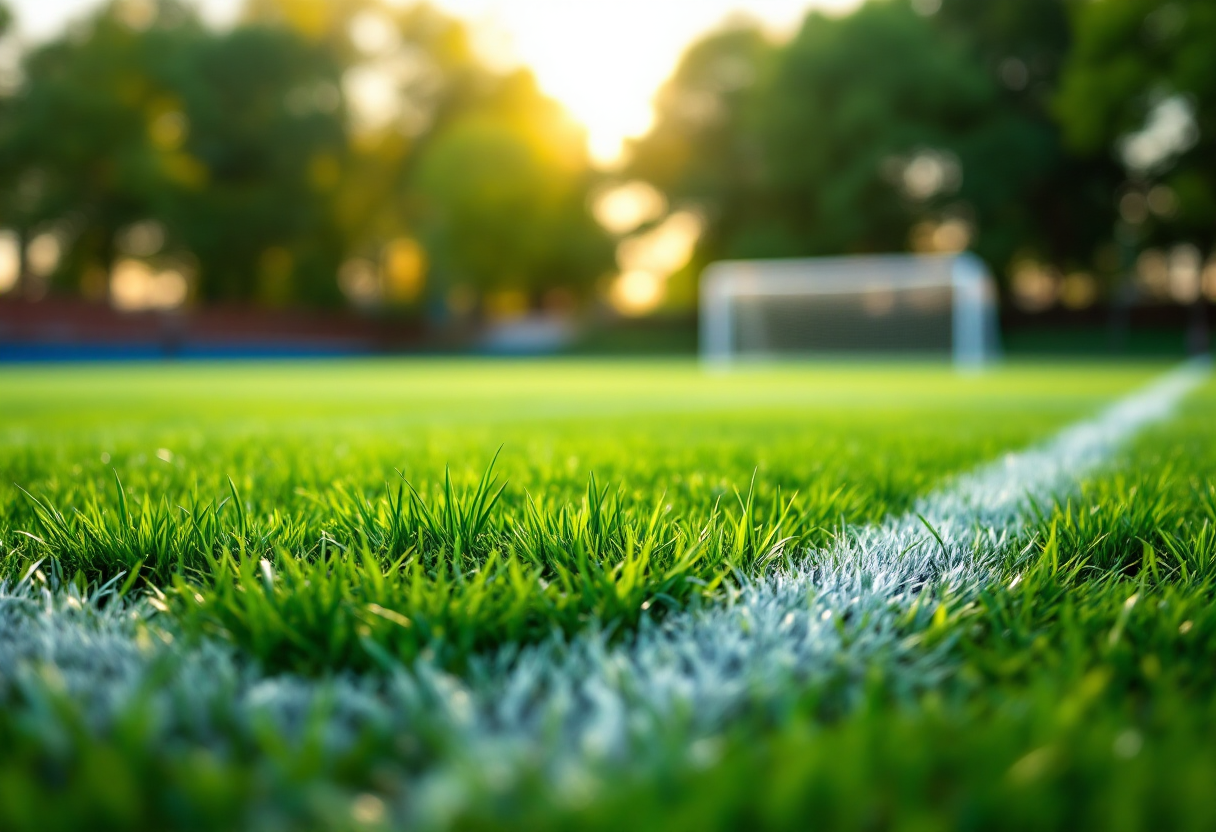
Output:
x=566 y=707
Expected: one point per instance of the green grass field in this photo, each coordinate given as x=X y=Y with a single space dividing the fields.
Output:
x=455 y=594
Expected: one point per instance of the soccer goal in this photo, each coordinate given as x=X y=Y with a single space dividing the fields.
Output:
x=919 y=305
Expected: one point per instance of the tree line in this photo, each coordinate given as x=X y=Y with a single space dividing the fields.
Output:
x=248 y=159
x=350 y=151
x=1059 y=137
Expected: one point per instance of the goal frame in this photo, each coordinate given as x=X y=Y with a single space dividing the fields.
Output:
x=974 y=338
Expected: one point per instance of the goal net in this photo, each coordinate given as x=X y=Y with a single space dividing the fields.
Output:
x=922 y=305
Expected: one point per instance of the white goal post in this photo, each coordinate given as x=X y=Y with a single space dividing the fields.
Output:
x=905 y=305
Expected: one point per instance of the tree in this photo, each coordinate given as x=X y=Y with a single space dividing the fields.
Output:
x=1140 y=87
x=488 y=174
x=704 y=149
x=256 y=159
x=162 y=120
x=872 y=123
x=248 y=185
x=75 y=145
x=1058 y=206
x=862 y=133
x=502 y=199
x=866 y=132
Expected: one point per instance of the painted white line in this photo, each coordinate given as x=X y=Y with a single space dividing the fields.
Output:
x=566 y=707
x=834 y=617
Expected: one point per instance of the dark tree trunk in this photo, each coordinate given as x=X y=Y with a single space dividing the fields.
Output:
x=23 y=266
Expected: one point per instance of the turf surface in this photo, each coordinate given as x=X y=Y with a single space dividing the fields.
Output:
x=300 y=516
x=1082 y=699
x=623 y=486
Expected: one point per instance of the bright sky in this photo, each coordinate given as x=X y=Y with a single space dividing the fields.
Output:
x=603 y=59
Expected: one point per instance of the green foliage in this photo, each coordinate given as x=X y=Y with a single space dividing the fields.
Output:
x=503 y=199
x=266 y=168
x=1034 y=197
x=802 y=148
x=1129 y=58
x=264 y=178
x=838 y=177
x=192 y=129
x=703 y=148
x=75 y=134
x=267 y=171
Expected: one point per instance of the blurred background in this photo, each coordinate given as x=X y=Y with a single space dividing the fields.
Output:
x=254 y=177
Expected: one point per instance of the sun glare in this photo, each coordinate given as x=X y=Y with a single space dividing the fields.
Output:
x=623 y=208
x=648 y=260
x=605 y=59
